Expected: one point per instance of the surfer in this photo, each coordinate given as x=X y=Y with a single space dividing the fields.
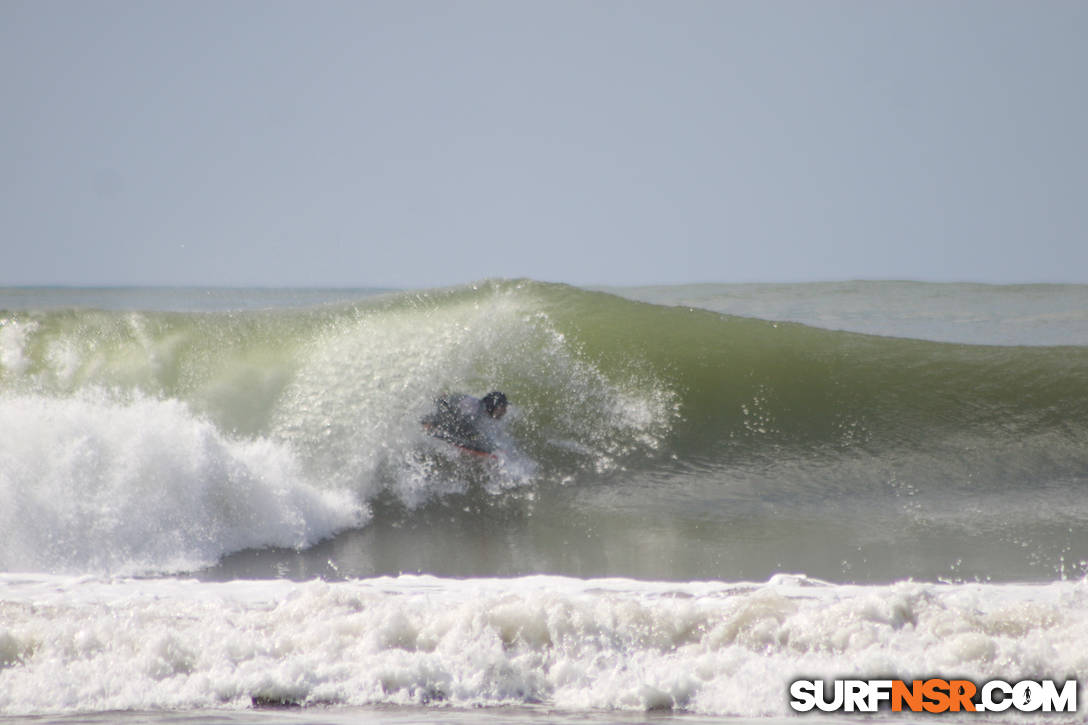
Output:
x=467 y=421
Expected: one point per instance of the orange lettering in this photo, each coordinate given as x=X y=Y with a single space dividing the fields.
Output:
x=936 y=691
x=911 y=695
x=961 y=692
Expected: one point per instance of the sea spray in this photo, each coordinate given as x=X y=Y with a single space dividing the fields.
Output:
x=139 y=485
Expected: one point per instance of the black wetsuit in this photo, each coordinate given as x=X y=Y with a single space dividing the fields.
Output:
x=463 y=421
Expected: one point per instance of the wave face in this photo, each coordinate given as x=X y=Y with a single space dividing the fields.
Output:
x=645 y=440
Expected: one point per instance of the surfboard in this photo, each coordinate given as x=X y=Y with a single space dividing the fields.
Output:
x=463 y=445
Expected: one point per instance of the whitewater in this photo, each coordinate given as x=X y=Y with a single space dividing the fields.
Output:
x=219 y=505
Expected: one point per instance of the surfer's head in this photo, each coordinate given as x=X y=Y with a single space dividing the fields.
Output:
x=495 y=404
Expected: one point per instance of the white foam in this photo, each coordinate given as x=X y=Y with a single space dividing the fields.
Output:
x=93 y=484
x=724 y=649
x=13 y=338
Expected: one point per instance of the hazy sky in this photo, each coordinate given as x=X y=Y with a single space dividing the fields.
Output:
x=411 y=144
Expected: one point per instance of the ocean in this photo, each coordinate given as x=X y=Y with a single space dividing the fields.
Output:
x=218 y=505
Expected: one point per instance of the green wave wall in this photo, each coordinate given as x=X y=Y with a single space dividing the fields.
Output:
x=585 y=369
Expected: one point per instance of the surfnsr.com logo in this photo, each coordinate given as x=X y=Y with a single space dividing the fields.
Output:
x=934 y=695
